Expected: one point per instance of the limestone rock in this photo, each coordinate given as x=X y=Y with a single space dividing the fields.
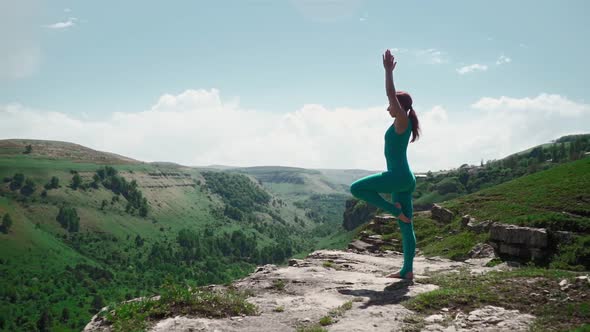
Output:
x=361 y=246
x=357 y=213
x=441 y=214
x=479 y=226
x=512 y=234
x=482 y=250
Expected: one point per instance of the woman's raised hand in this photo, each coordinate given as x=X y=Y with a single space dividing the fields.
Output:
x=388 y=61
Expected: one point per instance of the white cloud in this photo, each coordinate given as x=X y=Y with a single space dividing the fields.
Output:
x=431 y=56
x=548 y=103
x=198 y=127
x=472 y=68
x=67 y=10
x=70 y=22
x=503 y=59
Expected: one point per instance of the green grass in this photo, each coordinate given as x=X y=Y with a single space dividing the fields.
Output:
x=313 y=328
x=279 y=284
x=335 y=313
x=530 y=289
x=177 y=299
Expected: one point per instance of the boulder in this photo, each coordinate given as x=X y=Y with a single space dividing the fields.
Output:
x=466 y=219
x=479 y=226
x=511 y=234
x=482 y=250
x=441 y=214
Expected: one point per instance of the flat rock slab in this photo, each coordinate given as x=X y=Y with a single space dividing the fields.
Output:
x=311 y=290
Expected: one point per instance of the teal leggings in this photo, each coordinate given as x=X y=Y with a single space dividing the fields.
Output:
x=401 y=188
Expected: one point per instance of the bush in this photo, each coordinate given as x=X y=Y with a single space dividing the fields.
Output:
x=53 y=183
x=76 y=181
x=17 y=181
x=29 y=188
x=6 y=223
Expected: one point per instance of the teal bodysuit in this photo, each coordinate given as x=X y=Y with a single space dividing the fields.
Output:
x=400 y=182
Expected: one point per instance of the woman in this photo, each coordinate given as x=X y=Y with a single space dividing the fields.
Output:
x=399 y=179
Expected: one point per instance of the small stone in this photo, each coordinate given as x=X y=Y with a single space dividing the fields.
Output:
x=445 y=309
x=434 y=318
x=306 y=319
x=563 y=283
x=374 y=325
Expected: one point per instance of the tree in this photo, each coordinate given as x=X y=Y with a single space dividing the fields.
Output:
x=53 y=183
x=65 y=315
x=44 y=322
x=28 y=149
x=97 y=302
x=143 y=209
x=104 y=204
x=95 y=181
x=463 y=176
x=449 y=185
x=17 y=181
x=76 y=181
x=6 y=223
x=29 y=188
x=68 y=218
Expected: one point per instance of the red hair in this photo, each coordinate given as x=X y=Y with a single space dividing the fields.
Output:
x=405 y=100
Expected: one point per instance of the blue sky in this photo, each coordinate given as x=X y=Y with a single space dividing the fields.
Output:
x=90 y=59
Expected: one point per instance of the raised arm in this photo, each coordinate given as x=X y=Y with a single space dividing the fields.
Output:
x=401 y=116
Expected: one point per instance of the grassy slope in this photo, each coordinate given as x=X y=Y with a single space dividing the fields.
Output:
x=558 y=198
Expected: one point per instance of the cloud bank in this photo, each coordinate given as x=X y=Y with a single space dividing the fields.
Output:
x=198 y=127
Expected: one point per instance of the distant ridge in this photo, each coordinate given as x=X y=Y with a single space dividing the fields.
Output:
x=62 y=150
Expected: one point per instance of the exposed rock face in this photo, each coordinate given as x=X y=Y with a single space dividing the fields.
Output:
x=441 y=214
x=325 y=280
x=476 y=226
x=522 y=242
x=356 y=213
x=488 y=318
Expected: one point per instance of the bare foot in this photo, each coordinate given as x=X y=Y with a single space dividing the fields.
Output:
x=409 y=275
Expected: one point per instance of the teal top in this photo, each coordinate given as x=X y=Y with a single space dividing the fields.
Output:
x=396 y=146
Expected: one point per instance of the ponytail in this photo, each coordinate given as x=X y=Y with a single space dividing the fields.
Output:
x=415 y=124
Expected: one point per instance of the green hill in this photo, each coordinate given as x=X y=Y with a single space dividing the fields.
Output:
x=466 y=179
x=127 y=226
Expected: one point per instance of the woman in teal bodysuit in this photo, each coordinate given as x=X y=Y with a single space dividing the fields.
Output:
x=399 y=179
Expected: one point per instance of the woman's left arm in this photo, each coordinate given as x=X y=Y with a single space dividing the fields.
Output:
x=401 y=116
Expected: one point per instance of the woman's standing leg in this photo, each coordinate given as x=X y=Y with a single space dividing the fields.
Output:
x=407 y=230
x=369 y=187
